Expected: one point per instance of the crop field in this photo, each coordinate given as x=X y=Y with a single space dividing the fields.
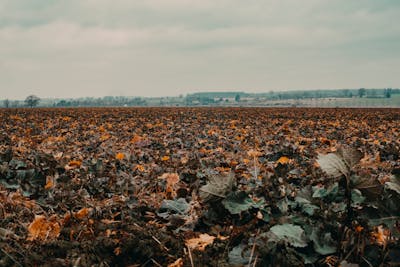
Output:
x=199 y=187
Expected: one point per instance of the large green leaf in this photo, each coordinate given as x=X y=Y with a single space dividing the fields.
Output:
x=237 y=202
x=323 y=242
x=306 y=205
x=238 y=256
x=290 y=233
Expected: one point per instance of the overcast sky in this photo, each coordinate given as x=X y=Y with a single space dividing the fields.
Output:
x=81 y=48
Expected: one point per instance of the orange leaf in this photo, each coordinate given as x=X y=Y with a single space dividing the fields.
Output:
x=49 y=182
x=117 y=251
x=359 y=228
x=73 y=164
x=136 y=139
x=43 y=229
x=105 y=137
x=283 y=160
x=171 y=178
x=67 y=218
x=120 y=156
x=254 y=153
x=139 y=168
x=165 y=158
x=380 y=235
x=177 y=263
x=108 y=221
x=82 y=213
x=201 y=242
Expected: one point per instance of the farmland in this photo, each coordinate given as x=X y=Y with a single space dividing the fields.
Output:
x=199 y=187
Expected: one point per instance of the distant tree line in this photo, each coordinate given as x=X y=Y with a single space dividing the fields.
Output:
x=30 y=101
x=201 y=98
x=107 y=101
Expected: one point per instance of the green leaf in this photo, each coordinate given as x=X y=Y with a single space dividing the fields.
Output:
x=323 y=242
x=357 y=197
x=238 y=256
x=309 y=209
x=283 y=205
x=17 y=164
x=237 y=202
x=265 y=215
x=309 y=258
x=338 y=207
x=290 y=233
x=178 y=206
x=319 y=192
x=306 y=206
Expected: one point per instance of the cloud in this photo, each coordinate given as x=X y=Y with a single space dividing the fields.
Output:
x=99 y=47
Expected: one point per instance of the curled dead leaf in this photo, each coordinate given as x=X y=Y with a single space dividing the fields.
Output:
x=43 y=229
x=380 y=235
x=200 y=243
x=254 y=153
x=73 y=164
x=177 y=263
x=49 y=182
x=82 y=213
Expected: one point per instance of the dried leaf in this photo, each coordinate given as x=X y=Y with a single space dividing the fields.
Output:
x=43 y=229
x=73 y=164
x=340 y=162
x=120 y=156
x=171 y=178
x=82 y=213
x=200 y=243
x=49 y=182
x=177 y=263
x=218 y=186
x=380 y=235
x=333 y=165
x=283 y=160
x=393 y=185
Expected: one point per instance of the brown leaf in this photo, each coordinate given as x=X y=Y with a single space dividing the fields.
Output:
x=177 y=263
x=82 y=213
x=200 y=243
x=43 y=229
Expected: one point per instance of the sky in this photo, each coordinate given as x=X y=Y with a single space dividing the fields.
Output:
x=79 y=48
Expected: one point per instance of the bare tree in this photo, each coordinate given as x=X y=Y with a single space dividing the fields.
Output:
x=32 y=101
x=6 y=103
x=361 y=92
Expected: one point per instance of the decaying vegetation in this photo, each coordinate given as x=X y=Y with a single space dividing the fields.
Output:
x=199 y=187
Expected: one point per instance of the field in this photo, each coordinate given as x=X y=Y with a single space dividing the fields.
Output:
x=199 y=187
